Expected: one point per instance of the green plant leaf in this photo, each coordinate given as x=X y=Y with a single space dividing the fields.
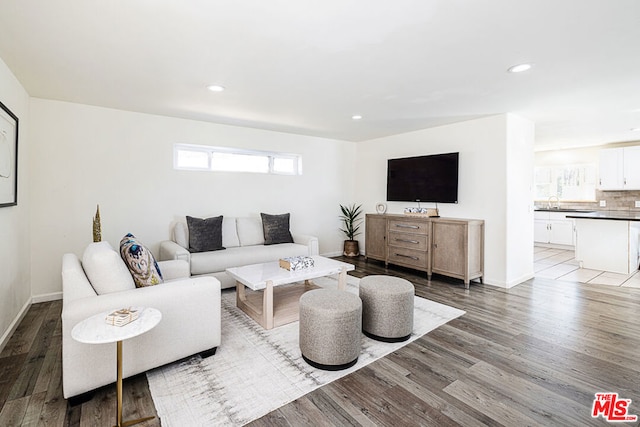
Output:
x=349 y=217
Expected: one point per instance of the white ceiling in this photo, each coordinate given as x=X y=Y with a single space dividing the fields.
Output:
x=307 y=66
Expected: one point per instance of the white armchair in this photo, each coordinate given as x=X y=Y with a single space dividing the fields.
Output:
x=190 y=324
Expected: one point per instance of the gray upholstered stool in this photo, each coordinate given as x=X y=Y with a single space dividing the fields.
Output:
x=330 y=328
x=387 y=308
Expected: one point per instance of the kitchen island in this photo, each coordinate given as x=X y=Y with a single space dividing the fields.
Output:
x=607 y=240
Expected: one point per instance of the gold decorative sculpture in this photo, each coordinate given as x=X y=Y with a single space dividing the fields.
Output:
x=97 y=231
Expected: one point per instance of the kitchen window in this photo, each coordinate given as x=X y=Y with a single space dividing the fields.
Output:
x=571 y=182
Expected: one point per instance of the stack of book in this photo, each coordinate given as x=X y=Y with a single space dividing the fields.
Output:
x=122 y=317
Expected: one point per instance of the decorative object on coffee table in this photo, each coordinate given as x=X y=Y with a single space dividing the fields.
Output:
x=330 y=325
x=296 y=263
x=387 y=308
x=351 y=223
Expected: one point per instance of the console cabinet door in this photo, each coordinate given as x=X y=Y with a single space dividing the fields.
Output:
x=448 y=251
x=376 y=237
x=458 y=248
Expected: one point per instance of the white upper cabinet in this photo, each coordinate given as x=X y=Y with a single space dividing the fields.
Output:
x=631 y=168
x=620 y=168
x=611 y=173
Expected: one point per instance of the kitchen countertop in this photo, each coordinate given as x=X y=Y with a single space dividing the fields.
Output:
x=611 y=215
x=563 y=210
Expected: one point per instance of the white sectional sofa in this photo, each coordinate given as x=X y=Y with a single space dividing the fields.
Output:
x=190 y=308
x=243 y=240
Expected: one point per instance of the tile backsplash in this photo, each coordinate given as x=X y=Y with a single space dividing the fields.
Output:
x=616 y=201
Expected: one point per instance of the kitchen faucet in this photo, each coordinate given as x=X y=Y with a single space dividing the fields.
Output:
x=557 y=202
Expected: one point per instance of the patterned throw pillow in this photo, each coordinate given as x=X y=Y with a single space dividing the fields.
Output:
x=276 y=229
x=205 y=234
x=140 y=261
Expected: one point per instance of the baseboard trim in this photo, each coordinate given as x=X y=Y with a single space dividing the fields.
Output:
x=555 y=246
x=53 y=296
x=331 y=254
x=510 y=284
x=14 y=325
x=521 y=279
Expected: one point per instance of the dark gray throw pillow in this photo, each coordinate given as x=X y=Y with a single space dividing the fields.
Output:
x=276 y=229
x=205 y=234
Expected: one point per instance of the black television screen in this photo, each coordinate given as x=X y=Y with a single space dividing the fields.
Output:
x=431 y=178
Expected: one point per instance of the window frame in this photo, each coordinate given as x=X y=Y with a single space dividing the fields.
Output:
x=555 y=172
x=211 y=150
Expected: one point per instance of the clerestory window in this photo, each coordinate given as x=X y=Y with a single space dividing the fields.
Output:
x=225 y=159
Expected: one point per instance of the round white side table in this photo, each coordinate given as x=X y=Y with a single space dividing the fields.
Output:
x=95 y=330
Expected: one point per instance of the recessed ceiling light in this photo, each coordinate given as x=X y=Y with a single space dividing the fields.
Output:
x=519 y=68
x=356 y=117
x=635 y=129
x=215 y=88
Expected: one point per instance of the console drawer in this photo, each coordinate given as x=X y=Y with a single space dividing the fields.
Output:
x=409 y=226
x=406 y=240
x=408 y=257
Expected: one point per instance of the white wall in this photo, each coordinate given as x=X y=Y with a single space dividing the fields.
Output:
x=15 y=289
x=519 y=193
x=86 y=155
x=483 y=192
x=575 y=156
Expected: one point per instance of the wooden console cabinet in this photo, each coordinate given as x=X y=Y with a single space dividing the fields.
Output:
x=408 y=242
x=448 y=246
x=458 y=248
x=376 y=237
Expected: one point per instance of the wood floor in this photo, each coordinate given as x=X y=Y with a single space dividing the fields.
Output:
x=531 y=355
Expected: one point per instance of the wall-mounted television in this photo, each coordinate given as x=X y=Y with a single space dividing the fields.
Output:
x=432 y=178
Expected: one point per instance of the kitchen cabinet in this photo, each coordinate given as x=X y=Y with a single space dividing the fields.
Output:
x=554 y=228
x=609 y=245
x=611 y=173
x=619 y=169
x=631 y=166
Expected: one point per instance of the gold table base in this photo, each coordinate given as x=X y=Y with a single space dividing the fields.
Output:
x=119 y=421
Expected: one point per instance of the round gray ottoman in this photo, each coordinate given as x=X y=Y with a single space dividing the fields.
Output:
x=330 y=328
x=387 y=308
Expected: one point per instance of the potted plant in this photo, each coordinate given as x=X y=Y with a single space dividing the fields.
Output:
x=350 y=218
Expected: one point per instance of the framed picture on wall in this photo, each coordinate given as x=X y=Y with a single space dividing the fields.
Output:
x=8 y=157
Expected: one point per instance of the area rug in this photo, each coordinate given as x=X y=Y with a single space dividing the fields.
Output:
x=256 y=371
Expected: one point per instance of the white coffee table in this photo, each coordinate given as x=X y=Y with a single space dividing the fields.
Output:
x=277 y=304
x=95 y=330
